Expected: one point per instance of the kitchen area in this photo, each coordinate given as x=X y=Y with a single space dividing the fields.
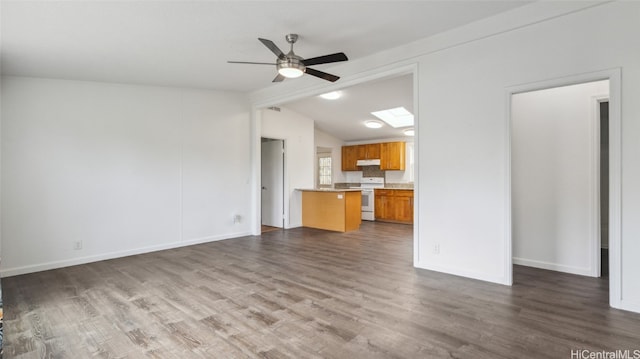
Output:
x=348 y=156
x=371 y=170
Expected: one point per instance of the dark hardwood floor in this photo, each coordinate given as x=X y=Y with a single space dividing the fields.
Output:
x=265 y=229
x=304 y=293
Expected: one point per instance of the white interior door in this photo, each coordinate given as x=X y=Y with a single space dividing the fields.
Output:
x=272 y=182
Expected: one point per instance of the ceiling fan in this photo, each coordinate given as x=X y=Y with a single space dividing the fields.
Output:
x=291 y=65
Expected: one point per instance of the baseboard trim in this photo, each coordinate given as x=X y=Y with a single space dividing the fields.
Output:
x=462 y=273
x=553 y=266
x=10 y=272
x=629 y=306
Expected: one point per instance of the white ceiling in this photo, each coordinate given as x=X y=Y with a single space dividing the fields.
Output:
x=187 y=43
x=344 y=118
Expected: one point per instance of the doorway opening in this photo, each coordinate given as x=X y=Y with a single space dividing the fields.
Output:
x=555 y=178
x=293 y=96
x=603 y=116
x=272 y=184
x=564 y=177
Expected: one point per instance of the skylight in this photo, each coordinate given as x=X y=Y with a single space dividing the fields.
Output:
x=395 y=117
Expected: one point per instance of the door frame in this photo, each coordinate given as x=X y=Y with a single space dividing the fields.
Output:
x=615 y=174
x=284 y=192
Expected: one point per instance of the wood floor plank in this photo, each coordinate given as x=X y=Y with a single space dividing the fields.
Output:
x=304 y=293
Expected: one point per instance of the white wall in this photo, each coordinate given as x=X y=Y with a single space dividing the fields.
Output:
x=554 y=176
x=299 y=160
x=463 y=76
x=463 y=192
x=323 y=139
x=124 y=169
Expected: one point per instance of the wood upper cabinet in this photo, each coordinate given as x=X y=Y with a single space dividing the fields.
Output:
x=370 y=151
x=394 y=205
x=392 y=156
x=349 y=158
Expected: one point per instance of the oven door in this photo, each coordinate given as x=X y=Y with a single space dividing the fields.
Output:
x=368 y=204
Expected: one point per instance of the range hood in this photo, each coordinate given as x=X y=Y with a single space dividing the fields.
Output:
x=368 y=162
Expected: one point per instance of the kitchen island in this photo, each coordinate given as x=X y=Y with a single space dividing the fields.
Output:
x=332 y=209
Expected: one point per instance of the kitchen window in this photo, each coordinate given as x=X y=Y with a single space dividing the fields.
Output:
x=324 y=170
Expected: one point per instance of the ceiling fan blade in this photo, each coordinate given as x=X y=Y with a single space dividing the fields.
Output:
x=322 y=75
x=269 y=44
x=251 y=63
x=278 y=78
x=337 y=57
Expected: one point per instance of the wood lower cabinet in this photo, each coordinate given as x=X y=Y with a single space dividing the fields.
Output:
x=392 y=156
x=382 y=204
x=333 y=210
x=394 y=205
x=403 y=206
x=350 y=158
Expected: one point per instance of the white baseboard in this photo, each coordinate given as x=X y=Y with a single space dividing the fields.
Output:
x=9 y=272
x=462 y=273
x=629 y=306
x=553 y=266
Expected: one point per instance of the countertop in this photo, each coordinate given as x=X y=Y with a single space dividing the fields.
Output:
x=328 y=189
x=386 y=188
x=352 y=189
x=397 y=188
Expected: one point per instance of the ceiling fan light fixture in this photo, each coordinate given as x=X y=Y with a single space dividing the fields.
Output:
x=291 y=67
x=290 y=72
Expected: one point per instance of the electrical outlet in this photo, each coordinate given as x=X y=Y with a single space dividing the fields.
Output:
x=436 y=248
x=77 y=245
x=237 y=218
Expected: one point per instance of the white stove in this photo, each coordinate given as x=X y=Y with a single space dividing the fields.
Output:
x=368 y=184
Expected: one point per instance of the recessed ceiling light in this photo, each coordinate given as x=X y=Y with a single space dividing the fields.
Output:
x=373 y=124
x=409 y=132
x=334 y=95
x=395 y=117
